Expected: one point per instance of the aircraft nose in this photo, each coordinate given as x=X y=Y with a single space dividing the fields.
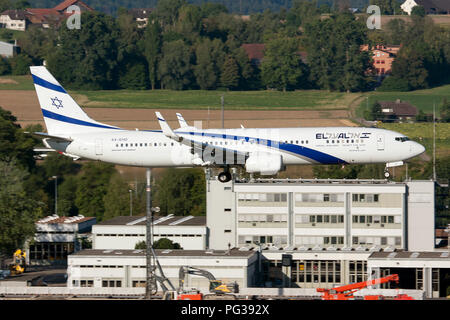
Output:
x=417 y=148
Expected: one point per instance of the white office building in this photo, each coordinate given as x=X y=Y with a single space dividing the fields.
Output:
x=125 y=232
x=321 y=214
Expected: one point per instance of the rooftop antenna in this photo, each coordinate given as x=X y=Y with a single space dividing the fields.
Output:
x=434 y=141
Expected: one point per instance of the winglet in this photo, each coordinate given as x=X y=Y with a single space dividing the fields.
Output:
x=181 y=120
x=167 y=131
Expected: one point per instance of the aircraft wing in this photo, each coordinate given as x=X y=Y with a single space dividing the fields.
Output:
x=199 y=148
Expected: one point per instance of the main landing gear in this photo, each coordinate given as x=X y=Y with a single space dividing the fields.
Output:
x=386 y=173
x=224 y=176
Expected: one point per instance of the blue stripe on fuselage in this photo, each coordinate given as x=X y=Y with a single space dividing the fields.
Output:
x=44 y=83
x=315 y=155
x=59 y=117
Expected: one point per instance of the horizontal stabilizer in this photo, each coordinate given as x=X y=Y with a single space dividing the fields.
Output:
x=46 y=135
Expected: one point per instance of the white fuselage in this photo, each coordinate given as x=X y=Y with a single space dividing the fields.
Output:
x=322 y=145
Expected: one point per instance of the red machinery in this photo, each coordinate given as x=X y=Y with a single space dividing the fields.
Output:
x=346 y=292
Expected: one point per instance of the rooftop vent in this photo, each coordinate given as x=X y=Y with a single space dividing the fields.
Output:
x=392 y=255
x=181 y=220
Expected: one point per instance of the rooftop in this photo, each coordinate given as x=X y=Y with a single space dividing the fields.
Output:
x=410 y=255
x=167 y=253
x=322 y=181
x=161 y=221
x=66 y=220
x=399 y=108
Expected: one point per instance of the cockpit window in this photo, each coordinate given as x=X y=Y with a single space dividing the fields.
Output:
x=402 y=139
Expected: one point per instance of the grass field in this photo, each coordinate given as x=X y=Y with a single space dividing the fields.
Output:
x=16 y=83
x=202 y=99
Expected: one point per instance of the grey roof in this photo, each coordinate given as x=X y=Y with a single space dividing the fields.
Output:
x=15 y=14
x=233 y=253
x=175 y=220
x=410 y=255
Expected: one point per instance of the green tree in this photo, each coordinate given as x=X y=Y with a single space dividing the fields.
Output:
x=282 y=67
x=165 y=243
x=5 y=66
x=87 y=58
x=14 y=143
x=418 y=11
x=209 y=59
x=5 y=5
x=116 y=199
x=335 y=59
x=20 y=64
x=445 y=111
x=175 y=69
x=302 y=12
x=230 y=73
x=18 y=212
x=410 y=65
x=181 y=192
x=168 y=11
x=162 y=243
x=92 y=187
x=394 y=84
x=388 y=7
x=374 y=113
x=67 y=191
x=152 y=51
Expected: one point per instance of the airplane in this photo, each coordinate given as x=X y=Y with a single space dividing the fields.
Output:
x=259 y=150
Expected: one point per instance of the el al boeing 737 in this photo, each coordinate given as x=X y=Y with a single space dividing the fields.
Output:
x=267 y=151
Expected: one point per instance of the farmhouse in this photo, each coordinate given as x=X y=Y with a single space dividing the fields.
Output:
x=383 y=57
x=13 y=20
x=141 y=15
x=43 y=17
x=394 y=111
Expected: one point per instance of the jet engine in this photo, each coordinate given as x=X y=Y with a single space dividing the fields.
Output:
x=264 y=163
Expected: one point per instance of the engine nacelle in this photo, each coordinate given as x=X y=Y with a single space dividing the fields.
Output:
x=265 y=163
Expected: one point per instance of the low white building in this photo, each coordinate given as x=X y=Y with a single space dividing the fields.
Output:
x=427 y=271
x=127 y=268
x=57 y=237
x=125 y=232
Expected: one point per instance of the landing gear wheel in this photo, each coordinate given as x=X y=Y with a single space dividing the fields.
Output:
x=224 y=176
x=386 y=174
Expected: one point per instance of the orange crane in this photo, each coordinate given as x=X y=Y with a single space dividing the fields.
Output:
x=346 y=292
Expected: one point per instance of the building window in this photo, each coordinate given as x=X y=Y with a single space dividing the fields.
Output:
x=111 y=283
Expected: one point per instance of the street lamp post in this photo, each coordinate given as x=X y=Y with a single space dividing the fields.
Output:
x=131 y=202
x=56 y=194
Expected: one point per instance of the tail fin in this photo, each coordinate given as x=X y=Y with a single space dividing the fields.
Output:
x=62 y=115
